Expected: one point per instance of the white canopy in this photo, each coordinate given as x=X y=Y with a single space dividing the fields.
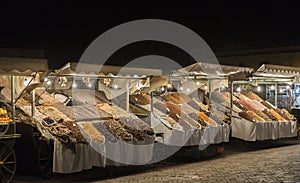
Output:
x=85 y=69
x=114 y=80
x=208 y=69
x=280 y=71
x=22 y=66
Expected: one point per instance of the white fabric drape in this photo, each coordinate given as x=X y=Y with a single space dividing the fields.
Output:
x=273 y=130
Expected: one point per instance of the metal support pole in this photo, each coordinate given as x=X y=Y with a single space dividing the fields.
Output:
x=231 y=98
x=266 y=92
x=127 y=95
x=33 y=103
x=13 y=107
x=276 y=94
x=209 y=91
x=151 y=102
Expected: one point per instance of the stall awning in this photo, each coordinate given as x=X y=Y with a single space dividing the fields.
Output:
x=30 y=70
x=268 y=70
x=22 y=66
x=84 y=69
x=208 y=69
x=114 y=80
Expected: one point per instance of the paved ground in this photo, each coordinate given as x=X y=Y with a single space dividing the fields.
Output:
x=256 y=162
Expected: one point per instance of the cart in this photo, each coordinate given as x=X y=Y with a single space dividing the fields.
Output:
x=8 y=159
x=16 y=77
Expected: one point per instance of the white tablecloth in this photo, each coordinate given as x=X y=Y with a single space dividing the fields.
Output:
x=222 y=135
x=135 y=152
x=273 y=130
x=83 y=157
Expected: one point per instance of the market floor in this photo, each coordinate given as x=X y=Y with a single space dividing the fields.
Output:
x=256 y=162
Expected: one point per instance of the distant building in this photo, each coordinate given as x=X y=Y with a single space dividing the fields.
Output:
x=289 y=56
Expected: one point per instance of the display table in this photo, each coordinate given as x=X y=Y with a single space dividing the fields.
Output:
x=80 y=157
x=129 y=153
x=222 y=135
x=250 y=131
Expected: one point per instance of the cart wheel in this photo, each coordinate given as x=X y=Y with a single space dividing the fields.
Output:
x=8 y=162
x=45 y=159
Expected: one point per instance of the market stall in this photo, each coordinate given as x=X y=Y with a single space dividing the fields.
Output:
x=258 y=117
x=17 y=75
x=127 y=139
x=171 y=118
x=181 y=108
x=213 y=80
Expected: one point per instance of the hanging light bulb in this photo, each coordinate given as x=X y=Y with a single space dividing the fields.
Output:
x=288 y=87
x=115 y=86
x=181 y=88
x=138 y=86
x=48 y=82
x=272 y=87
x=162 y=89
x=197 y=83
x=239 y=89
x=258 y=88
x=169 y=85
x=46 y=79
x=74 y=85
x=205 y=87
x=90 y=85
x=26 y=82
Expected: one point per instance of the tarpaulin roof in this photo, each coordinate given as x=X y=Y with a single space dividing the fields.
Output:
x=22 y=66
x=268 y=70
x=84 y=69
x=208 y=69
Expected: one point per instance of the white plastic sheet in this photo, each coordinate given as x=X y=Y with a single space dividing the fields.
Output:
x=193 y=137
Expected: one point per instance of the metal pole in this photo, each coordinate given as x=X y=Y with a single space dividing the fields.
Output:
x=151 y=105
x=127 y=95
x=209 y=91
x=231 y=98
x=266 y=92
x=276 y=94
x=13 y=108
x=33 y=104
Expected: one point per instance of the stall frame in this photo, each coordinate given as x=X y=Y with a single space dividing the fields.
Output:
x=12 y=67
x=90 y=71
x=254 y=81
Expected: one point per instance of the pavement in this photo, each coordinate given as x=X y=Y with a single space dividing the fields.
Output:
x=271 y=161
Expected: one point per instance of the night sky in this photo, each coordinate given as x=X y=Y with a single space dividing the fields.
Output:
x=65 y=29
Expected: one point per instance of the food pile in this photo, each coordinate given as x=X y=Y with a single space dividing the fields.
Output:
x=4 y=119
x=256 y=109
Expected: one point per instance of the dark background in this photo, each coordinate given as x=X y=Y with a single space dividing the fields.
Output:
x=65 y=28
